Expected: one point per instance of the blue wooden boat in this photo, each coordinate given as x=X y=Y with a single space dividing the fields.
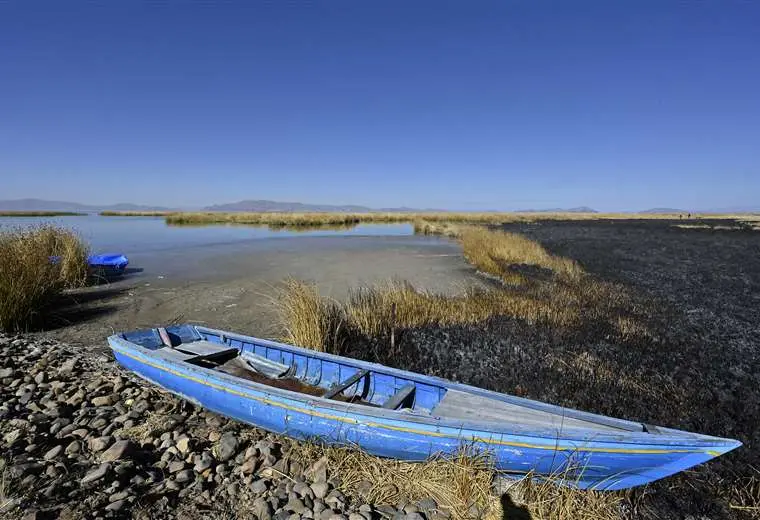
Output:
x=393 y=413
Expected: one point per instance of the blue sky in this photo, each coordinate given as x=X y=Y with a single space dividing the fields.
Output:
x=460 y=105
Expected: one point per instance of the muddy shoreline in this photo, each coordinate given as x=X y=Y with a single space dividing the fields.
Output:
x=234 y=289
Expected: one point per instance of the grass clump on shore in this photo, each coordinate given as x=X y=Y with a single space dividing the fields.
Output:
x=497 y=252
x=463 y=485
x=30 y=280
x=308 y=319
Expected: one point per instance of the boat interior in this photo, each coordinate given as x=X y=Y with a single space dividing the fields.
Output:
x=274 y=365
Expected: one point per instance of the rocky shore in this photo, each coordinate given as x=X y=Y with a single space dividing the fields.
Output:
x=81 y=438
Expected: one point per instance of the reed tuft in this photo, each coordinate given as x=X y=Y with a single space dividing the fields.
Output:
x=30 y=278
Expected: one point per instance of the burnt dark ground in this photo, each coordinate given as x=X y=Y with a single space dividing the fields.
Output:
x=697 y=291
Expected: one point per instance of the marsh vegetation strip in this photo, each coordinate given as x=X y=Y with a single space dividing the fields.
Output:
x=312 y=219
x=619 y=331
x=134 y=213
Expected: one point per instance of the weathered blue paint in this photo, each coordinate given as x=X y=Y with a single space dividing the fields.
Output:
x=589 y=458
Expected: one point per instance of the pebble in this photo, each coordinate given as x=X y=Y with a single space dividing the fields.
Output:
x=427 y=504
x=185 y=476
x=73 y=448
x=102 y=401
x=262 y=509
x=227 y=447
x=259 y=487
x=53 y=453
x=177 y=465
x=119 y=450
x=115 y=506
x=97 y=474
x=183 y=445
x=318 y=471
x=320 y=489
x=98 y=444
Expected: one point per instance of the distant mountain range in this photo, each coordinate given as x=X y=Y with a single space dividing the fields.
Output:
x=243 y=205
x=57 y=205
x=273 y=206
x=579 y=209
x=665 y=211
x=295 y=207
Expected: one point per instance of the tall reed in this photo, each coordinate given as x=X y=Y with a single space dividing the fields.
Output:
x=36 y=265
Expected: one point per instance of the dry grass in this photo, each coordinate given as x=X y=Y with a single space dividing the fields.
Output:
x=545 y=500
x=268 y=219
x=154 y=425
x=389 y=309
x=308 y=319
x=29 y=280
x=746 y=495
x=498 y=252
x=463 y=485
x=8 y=502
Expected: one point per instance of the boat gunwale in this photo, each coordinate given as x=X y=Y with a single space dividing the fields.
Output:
x=686 y=440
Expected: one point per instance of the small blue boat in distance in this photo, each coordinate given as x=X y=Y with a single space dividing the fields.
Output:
x=394 y=413
x=110 y=261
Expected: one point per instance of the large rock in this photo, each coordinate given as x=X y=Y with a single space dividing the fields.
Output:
x=227 y=447
x=97 y=473
x=262 y=509
x=98 y=444
x=320 y=489
x=53 y=452
x=203 y=462
x=105 y=400
x=120 y=450
x=73 y=447
x=318 y=470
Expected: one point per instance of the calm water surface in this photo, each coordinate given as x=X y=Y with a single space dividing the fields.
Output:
x=153 y=245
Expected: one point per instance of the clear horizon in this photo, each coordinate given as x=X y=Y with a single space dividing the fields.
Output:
x=492 y=106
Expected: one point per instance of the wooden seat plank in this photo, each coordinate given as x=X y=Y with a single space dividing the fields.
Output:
x=176 y=355
x=345 y=384
x=206 y=349
x=401 y=395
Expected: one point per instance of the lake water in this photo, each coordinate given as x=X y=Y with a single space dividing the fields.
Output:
x=153 y=245
x=147 y=234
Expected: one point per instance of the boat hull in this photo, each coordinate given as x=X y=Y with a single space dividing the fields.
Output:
x=111 y=262
x=613 y=462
